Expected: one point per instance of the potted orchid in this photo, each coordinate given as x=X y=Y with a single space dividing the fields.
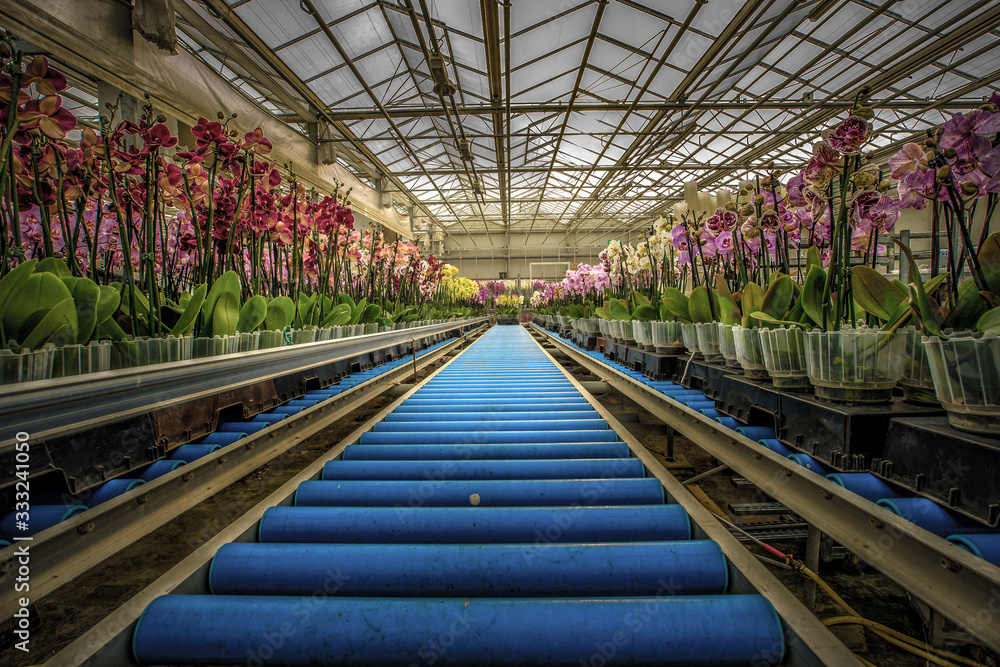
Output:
x=130 y=245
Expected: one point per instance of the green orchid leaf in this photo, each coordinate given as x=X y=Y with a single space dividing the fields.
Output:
x=727 y=304
x=639 y=299
x=678 y=309
x=769 y=322
x=645 y=313
x=280 y=313
x=968 y=309
x=339 y=316
x=603 y=313
x=12 y=283
x=812 y=295
x=38 y=293
x=58 y=326
x=753 y=298
x=252 y=314
x=700 y=306
x=814 y=257
x=344 y=297
x=228 y=282
x=899 y=317
x=371 y=314
x=921 y=308
x=798 y=314
x=226 y=315
x=54 y=265
x=110 y=299
x=778 y=298
x=990 y=322
x=665 y=314
x=87 y=298
x=112 y=329
x=874 y=293
x=359 y=310
x=989 y=261
x=934 y=284
x=185 y=324
x=619 y=310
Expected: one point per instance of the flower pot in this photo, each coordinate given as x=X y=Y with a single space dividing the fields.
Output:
x=749 y=353
x=589 y=326
x=917 y=380
x=274 y=338
x=627 y=335
x=727 y=345
x=708 y=342
x=220 y=345
x=855 y=366
x=666 y=337
x=25 y=365
x=689 y=335
x=604 y=326
x=615 y=330
x=785 y=358
x=641 y=332
x=82 y=359
x=145 y=351
x=966 y=370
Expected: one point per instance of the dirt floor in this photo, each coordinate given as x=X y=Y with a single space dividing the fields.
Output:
x=74 y=608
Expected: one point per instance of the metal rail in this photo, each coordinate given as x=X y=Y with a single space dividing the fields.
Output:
x=66 y=550
x=809 y=642
x=51 y=408
x=961 y=586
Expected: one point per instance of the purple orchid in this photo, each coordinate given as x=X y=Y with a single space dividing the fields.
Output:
x=824 y=165
x=967 y=134
x=849 y=136
x=871 y=210
x=794 y=188
x=909 y=159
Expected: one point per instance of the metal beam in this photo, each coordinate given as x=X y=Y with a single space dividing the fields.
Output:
x=488 y=10
x=601 y=6
x=314 y=13
x=666 y=105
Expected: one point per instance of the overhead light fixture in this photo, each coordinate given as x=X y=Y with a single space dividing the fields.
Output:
x=439 y=75
x=464 y=150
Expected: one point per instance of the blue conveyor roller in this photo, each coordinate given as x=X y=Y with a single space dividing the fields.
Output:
x=692 y=567
x=216 y=629
x=494 y=469
x=493 y=514
x=554 y=450
x=480 y=493
x=462 y=525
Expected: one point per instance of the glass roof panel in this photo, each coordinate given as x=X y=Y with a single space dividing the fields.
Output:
x=744 y=106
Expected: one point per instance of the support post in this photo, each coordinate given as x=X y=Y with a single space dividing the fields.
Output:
x=813 y=537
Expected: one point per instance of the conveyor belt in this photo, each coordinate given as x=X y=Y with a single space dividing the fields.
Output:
x=532 y=538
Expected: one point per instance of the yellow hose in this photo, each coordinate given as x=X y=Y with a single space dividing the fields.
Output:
x=903 y=641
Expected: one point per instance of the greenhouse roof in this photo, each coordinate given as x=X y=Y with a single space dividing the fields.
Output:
x=557 y=116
